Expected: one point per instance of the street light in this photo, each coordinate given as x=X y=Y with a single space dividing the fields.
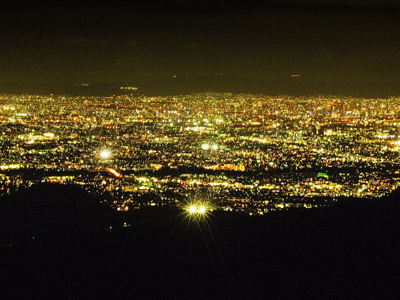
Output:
x=105 y=154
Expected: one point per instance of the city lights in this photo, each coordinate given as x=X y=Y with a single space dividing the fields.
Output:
x=105 y=154
x=197 y=210
x=234 y=148
x=201 y=209
x=196 y=149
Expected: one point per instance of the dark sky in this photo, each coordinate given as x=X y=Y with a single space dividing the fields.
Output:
x=339 y=41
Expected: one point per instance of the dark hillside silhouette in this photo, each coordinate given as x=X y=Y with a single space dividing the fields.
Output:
x=348 y=251
x=51 y=209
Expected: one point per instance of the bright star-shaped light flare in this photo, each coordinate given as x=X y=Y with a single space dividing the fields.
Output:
x=105 y=154
x=197 y=211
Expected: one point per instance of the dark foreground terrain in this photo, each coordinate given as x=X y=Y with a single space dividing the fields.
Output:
x=57 y=244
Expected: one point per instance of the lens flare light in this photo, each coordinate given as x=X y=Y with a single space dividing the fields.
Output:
x=196 y=208
x=197 y=211
x=105 y=154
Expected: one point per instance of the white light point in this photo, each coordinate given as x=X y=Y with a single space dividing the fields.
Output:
x=105 y=154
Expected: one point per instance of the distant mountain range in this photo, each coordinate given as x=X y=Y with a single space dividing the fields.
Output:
x=294 y=86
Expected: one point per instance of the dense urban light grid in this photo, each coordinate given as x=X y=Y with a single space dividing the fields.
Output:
x=249 y=153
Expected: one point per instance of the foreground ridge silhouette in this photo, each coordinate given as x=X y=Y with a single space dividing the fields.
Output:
x=346 y=251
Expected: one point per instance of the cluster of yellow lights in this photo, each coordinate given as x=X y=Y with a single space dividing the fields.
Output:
x=126 y=208
x=105 y=154
x=207 y=146
x=201 y=209
x=14 y=166
x=196 y=211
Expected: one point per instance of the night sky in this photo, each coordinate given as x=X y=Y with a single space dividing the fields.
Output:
x=338 y=42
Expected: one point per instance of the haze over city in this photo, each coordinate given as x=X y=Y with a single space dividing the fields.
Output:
x=334 y=43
